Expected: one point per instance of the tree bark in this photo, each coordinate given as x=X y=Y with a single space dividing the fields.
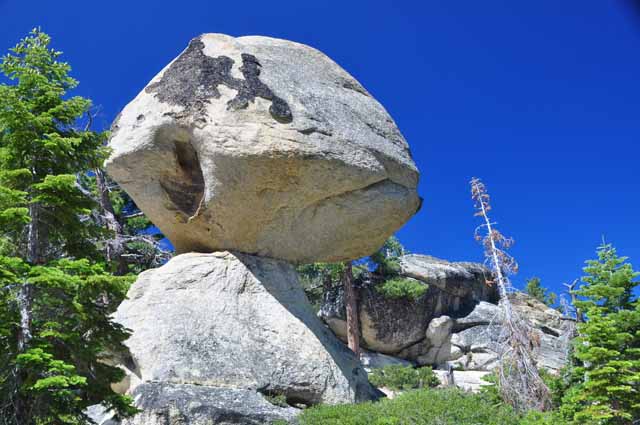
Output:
x=353 y=327
x=115 y=247
x=24 y=302
x=326 y=284
x=37 y=235
x=574 y=298
x=24 y=308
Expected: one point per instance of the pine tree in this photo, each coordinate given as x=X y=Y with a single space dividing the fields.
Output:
x=607 y=348
x=55 y=296
x=535 y=289
x=387 y=258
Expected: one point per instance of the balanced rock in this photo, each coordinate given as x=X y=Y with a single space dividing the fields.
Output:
x=264 y=146
x=216 y=335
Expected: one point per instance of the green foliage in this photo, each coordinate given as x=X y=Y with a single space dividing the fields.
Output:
x=418 y=407
x=387 y=258
x=317 y=277
x=321 y=271
x=534 y=417
x=397 y=377
x=279 y=400
x=491 y=393
x=607 y=350
x=41 y=151
x=61 y=373
x=402 y=288
x=55 y=300
x=539 y=292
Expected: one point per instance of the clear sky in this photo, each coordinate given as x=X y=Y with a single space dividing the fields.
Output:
x=540 y=99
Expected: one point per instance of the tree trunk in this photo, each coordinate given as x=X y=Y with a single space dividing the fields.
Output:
x=353 y=328
x=37 y=235
x=579 y=314
x=326 y=284
x=115 y=247
x=24 y=308
x=24 y=301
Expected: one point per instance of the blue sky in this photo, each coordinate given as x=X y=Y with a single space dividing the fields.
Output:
x=539 y=99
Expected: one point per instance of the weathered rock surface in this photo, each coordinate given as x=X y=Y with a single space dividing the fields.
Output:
x=183 y=404
x=264 y=146
x=394 y=326
x=215 y=333
x=481 y=334
x=457 y=322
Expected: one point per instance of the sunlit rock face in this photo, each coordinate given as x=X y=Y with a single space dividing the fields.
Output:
x=264 y=146
x=213 y=328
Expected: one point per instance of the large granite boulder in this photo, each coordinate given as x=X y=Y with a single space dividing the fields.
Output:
x=399 y=326
x=216 y=335
x=264 y=146
x=458 y=322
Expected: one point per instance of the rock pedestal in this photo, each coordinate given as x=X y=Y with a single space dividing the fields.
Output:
x=227 y=332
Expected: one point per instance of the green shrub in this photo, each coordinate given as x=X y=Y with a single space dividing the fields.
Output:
x=397 y=377
x=418 y=407
x=402 y=288
x=542 y=418
x=279 y=400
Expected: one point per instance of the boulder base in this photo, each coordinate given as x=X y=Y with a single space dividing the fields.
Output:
x=215 y=332
x=264 y=146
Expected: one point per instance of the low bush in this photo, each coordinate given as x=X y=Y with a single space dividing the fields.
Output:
x=417 y=407
x=540 y=418
x=402 y=288
x=279 y=400
x=397 y=377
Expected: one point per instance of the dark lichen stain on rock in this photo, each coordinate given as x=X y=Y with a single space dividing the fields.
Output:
x=193 y=79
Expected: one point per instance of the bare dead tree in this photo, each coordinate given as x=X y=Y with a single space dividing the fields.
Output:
x=351 y=305
x=519 y=381
x=571 y=289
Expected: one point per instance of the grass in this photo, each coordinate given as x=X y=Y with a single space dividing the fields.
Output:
x=417 y=407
